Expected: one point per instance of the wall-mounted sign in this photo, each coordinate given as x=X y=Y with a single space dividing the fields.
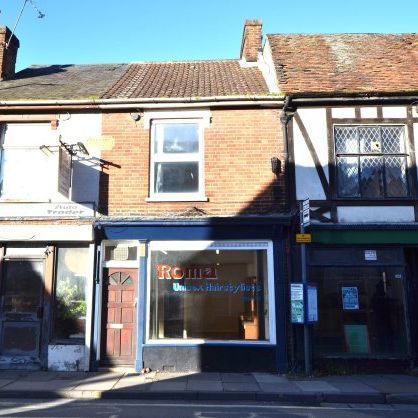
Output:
x=104 y=142
x=305 y=217
x=303 y=238
x=297 y=303
x=370 y=255
x=49 y=210
x=64 y=178
x=350 y=298
x=312 y=299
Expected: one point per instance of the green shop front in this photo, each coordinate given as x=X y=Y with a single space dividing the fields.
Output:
x=367 y=281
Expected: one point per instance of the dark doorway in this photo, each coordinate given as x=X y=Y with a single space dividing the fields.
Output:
x=21 y=313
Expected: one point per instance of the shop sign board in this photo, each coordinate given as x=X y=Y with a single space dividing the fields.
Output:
x=297 y=303
x=370 y=255
x=350 y=298
x=312 y=299
x=50 y=210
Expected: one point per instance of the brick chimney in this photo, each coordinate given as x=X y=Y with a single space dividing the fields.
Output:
x=7 y=55
x=251 y=40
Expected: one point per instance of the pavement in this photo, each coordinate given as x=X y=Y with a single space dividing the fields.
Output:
x=355 y=389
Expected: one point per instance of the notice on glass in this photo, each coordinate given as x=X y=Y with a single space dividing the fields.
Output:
x=350 y=298
x=312 y=296
x=297 y=308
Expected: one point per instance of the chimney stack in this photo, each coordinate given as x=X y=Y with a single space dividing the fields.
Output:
x=251 y=40
x=7 y=55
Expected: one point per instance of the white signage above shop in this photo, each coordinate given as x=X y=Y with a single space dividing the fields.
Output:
x=50 y=210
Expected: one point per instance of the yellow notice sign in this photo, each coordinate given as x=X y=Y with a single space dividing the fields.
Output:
x=303 y=238
x=142 y=250
x=104 y=142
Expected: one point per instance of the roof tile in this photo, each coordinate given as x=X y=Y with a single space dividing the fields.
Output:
x=346 y=63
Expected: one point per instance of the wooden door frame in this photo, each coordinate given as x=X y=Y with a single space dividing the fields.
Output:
x=102 y=360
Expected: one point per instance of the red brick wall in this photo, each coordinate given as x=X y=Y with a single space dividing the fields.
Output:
x=238 y=179
x=7 y=56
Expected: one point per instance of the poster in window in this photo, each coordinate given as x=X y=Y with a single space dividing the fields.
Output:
x=297 y=308
x=356 y=338
x=64 y=173
x=350 y=298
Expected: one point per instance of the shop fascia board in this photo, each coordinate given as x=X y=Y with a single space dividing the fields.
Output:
x=49 y=233
x=376 y=235
x=207 y=221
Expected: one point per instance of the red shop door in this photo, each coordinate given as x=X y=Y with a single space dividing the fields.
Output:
x=119 y=316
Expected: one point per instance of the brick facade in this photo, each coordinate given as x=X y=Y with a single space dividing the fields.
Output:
x=239 y=144
x=7 y=55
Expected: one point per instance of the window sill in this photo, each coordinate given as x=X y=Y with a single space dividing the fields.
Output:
x=181 y=198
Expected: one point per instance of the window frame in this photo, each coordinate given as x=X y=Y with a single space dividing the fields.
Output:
x=35 y=194
x=406 y=154
x=180 y=157
x=223 y=245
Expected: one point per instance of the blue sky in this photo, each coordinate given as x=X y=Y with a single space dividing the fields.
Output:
x=107 y=31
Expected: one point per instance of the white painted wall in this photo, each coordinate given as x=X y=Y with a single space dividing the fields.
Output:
x=66 y=358
x=307 y=179
x=375 y=214
x=394 y=112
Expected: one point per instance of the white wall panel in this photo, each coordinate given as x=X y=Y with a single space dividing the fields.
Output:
x=308 y=183
x=377 y=214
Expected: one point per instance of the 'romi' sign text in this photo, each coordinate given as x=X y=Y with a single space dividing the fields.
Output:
x=164 y=271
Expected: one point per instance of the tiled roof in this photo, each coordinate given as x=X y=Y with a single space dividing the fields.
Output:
x=188 y=79
x=346 y=63
x=61 y=82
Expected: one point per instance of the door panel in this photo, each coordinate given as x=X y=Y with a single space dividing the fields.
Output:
x=22 y=309
x=119 y=316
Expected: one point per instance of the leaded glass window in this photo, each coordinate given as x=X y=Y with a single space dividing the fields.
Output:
x=371 y=161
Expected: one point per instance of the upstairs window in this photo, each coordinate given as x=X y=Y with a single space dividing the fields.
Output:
x=26 y=171
x=177 y=160
x=371 y=161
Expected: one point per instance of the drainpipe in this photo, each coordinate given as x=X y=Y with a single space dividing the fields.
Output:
x=285 y=117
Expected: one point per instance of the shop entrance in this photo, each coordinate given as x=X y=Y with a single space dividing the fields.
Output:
x=119 y=316
x=21 y=313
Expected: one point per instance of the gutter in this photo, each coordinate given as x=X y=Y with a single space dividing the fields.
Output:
x=354 y=100
x=152 y=102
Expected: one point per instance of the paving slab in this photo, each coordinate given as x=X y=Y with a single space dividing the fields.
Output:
x=168 y=386
x=205 y=376
x=394 y=387
x=51 y=385
x=315 y=386
x=241 y=387
x=404 y=398
x=204 y=385
x=279 y=388
x=353 y=387
x=132 y=383
x=269 y=378
x=99 y=383
x=170 y=376
x=237 y=378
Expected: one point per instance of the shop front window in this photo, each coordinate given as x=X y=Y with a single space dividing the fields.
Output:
x=70 y=293
x=361 y=311
x=213 y=291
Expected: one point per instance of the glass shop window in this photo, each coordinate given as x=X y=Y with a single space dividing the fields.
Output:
x=211 y=293
x=361 y=312
x=70 y=305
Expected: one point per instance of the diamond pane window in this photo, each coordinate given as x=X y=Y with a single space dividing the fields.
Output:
x=371 y=161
